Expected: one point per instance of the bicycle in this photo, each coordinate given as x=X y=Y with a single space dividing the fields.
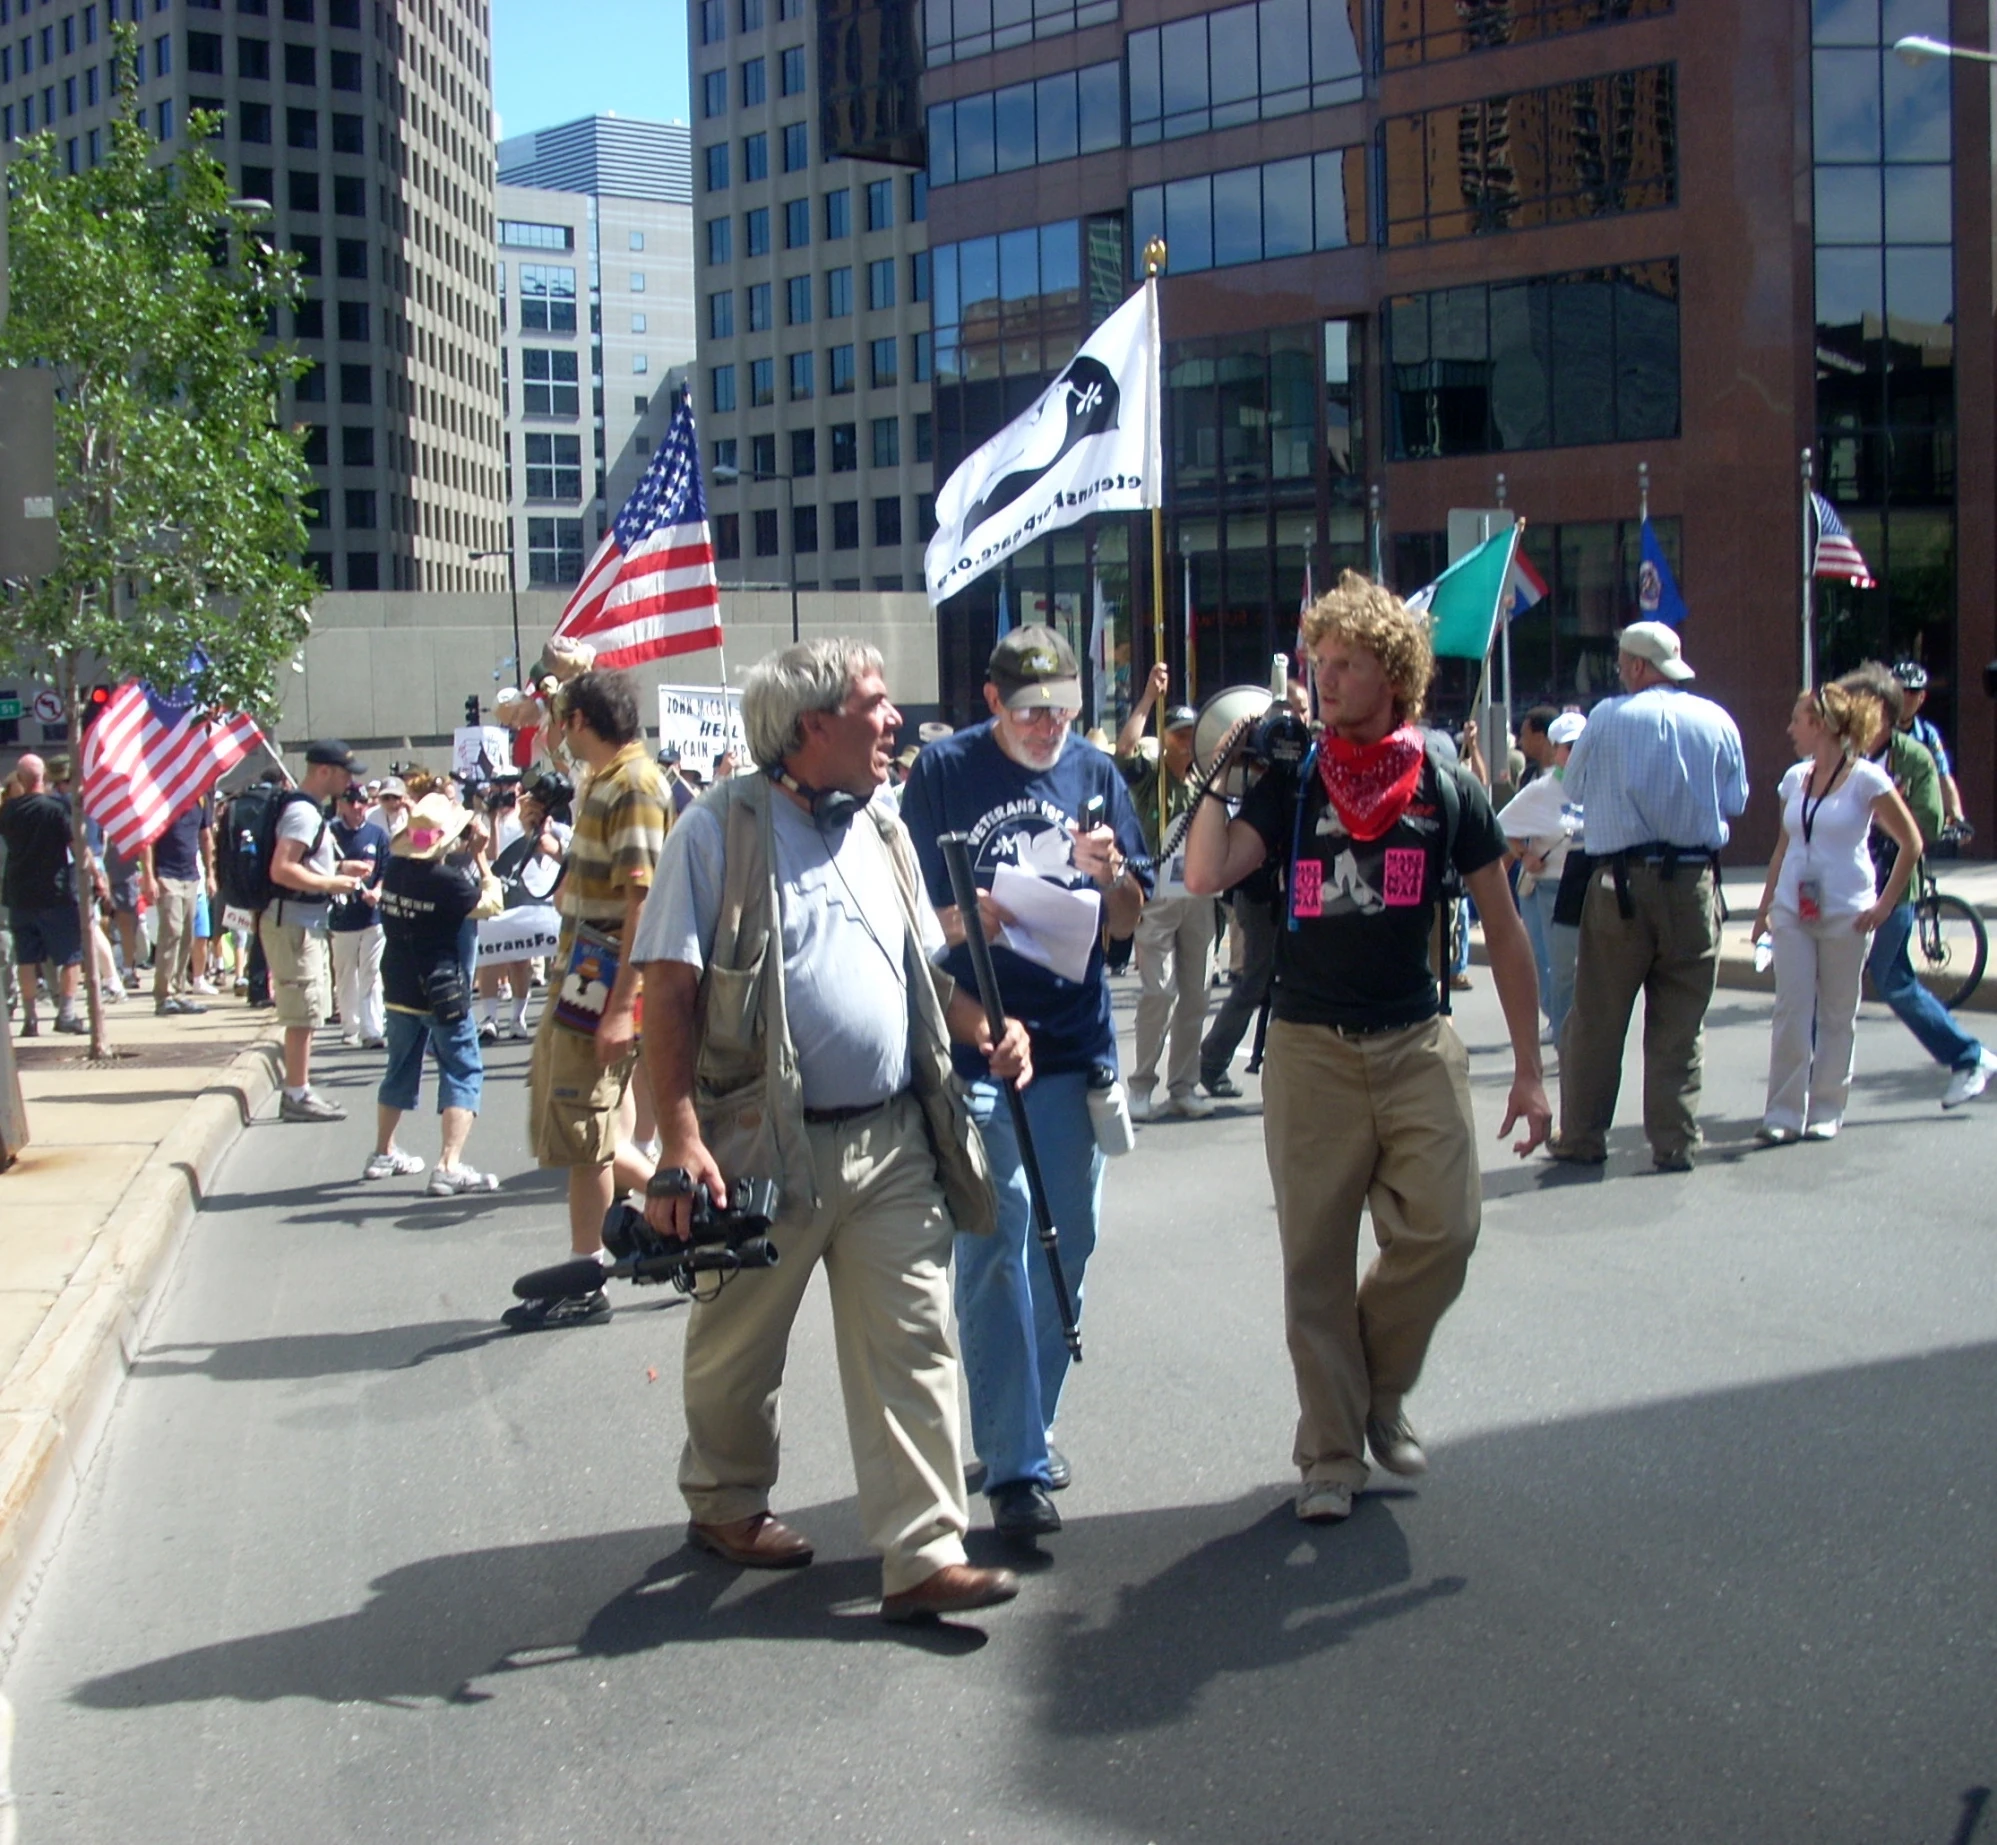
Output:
x=1950 y=945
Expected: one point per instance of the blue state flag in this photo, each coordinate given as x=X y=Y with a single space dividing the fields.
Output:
x=1657 y=597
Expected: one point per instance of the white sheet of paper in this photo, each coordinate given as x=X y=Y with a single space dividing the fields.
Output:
x=1052 y=925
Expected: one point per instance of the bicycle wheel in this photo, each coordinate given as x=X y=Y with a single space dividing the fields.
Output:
x=1949 y=948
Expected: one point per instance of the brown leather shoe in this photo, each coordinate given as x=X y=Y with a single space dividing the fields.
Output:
x=955 y=1588
x=762 y=1541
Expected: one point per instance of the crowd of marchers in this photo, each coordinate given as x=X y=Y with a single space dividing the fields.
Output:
x=767 y=972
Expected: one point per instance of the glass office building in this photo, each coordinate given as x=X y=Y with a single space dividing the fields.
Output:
x=1427 y=256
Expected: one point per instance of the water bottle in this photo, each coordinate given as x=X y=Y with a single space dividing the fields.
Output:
x=1764 y=954
x=1109 y=1111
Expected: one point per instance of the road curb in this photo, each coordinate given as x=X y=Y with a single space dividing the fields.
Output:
x=57 y=1398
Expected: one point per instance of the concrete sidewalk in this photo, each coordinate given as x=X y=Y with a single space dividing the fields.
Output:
x=90 y=1216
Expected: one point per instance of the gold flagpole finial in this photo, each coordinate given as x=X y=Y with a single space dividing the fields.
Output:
x=1154 y=256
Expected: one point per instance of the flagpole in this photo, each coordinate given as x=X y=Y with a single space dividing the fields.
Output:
x=1642 y=491
x=1154 y=264
x=1809 y=616
x=1186 y=572
x=1504 y=743
x=1373 y=523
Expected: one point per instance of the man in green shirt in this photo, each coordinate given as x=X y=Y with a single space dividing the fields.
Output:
x=1175 y=935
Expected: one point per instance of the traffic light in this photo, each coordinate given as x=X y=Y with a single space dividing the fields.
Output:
x=471 y=710
x=94 y=702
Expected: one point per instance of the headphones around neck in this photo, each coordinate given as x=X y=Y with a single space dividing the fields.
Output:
x=833 y=810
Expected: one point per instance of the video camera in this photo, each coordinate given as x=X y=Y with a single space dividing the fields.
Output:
x=724 y=1242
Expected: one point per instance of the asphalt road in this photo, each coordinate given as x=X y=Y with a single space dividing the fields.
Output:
x=1705 y=1554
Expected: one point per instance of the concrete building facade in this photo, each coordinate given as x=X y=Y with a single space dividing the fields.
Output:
x=595 y=283
x=367 y=129
x=814 y=319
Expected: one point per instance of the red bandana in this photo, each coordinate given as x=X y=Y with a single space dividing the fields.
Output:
x=1371 y=784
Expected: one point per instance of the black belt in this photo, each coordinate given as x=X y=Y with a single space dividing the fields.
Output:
x=1376 y=1031
x=831 y=1117
x=1653 y=852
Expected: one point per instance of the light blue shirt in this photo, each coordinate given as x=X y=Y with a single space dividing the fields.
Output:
x=1658 y=765
x=845 y=990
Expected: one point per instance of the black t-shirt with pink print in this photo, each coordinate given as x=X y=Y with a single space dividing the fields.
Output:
x=1357 y=917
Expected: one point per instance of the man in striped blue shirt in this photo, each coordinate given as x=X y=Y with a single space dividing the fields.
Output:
x=1659 y=773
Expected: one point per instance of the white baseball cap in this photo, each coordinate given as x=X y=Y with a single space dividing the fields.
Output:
x=1565 y=728
x=1658 y=643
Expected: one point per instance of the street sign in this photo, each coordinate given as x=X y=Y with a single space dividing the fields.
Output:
x=10 y=706
x=48 y=708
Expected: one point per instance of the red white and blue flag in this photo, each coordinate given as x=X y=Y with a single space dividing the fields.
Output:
x=1528 y=586
x=1835 y=553
x=149 y=757
x=650 y=590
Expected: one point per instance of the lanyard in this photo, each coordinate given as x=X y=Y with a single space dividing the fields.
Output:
x=1810 y=813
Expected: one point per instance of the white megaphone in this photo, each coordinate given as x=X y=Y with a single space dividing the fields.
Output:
x=1230 y=707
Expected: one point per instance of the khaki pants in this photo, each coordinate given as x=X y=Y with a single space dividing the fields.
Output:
x=1348 y=1122
x=884 y=1235
x=1174 y=960
x=175 y=901
x=298 y=980
x=1669 y=951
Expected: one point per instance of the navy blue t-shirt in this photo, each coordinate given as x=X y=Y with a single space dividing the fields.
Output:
x=1019 y=816
x=368 y=841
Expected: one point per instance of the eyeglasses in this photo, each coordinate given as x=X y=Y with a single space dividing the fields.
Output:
x=391 y=800
x=355 y=794
x=1043 y=717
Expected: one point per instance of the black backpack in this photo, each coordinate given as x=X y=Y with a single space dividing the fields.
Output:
x=245 y=841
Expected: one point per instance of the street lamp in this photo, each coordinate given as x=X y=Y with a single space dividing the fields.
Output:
x=513 y=590
x=1917 y=50
x=727 y=476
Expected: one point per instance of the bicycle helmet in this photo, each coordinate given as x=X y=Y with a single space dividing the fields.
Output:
x=1911 y=674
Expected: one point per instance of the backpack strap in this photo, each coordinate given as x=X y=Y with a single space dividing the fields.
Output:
x=1449 y=795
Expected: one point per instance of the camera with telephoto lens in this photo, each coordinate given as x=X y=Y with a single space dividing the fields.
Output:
x=723 y=1242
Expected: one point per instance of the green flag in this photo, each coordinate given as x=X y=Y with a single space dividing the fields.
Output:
x=1462 y=603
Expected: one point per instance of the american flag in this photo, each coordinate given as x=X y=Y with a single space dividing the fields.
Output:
x=650 y=589
x=1835 y=553
x=149 y=757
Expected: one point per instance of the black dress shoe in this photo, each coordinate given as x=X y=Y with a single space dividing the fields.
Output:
x=1222 y=1085
x=1059 y=1473
x=1021 y=1509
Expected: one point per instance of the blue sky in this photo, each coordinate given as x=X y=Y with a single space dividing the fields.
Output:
x=553 y=60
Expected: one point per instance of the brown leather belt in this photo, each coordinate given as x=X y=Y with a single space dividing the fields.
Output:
x=831 y=1117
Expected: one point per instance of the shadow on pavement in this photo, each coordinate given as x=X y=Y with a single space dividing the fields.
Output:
x=301 y=1355
x=1763 y=1613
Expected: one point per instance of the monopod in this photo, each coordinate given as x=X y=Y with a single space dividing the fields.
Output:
x=964 y=889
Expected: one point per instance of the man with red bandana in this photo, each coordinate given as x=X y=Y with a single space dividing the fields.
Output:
x=1366 y=1094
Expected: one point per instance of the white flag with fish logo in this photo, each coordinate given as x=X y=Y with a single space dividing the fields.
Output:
x=1090 y=443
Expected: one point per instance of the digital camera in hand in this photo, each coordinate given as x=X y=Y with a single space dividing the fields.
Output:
x=724 y=1242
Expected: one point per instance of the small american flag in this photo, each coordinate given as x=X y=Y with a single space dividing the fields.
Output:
x=148 y=758
x=650 y=589
x=1836 y=555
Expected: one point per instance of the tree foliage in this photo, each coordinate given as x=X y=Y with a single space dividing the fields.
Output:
x=151 y=295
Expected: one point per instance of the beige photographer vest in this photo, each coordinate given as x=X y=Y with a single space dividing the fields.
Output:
x=748 y=1093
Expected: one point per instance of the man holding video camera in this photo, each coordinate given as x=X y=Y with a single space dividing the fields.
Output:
x=796 y=1030
x=1366 y=1094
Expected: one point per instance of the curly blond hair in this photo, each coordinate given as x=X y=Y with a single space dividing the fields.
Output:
x=1362 y=613
x=1851 y=709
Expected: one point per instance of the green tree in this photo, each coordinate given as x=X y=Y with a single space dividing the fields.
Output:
x=151 y=294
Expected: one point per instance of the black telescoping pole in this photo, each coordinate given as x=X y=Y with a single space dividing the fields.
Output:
x=964 y=889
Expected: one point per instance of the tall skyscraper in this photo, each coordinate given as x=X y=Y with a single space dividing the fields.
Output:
x=1427 y=255
x=368 y=128
x=813 y=304
x=596 y=291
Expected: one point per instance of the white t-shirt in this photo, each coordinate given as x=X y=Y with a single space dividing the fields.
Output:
x=1835 y=852
x=304 y=822
x=1540 y=815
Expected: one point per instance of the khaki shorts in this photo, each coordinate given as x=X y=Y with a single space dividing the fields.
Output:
x=298 y=972
x=572 y=1100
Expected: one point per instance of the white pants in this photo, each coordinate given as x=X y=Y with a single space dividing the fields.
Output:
x=1817 y=969
x=357 y=981
x=1174 y=960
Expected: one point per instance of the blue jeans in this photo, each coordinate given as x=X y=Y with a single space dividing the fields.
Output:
x=1536 y=912
x=460 y=1068
x=1924 y=1015
x=1015 y=1358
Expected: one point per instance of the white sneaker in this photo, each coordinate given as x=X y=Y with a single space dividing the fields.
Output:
x=1142 y=1107
x=394 y=1164
x=1190 y=1107
x=1822 y=1130
x=1324 y=1502
x=1966 y=1084
x=449 y=1181
x=207 y=989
